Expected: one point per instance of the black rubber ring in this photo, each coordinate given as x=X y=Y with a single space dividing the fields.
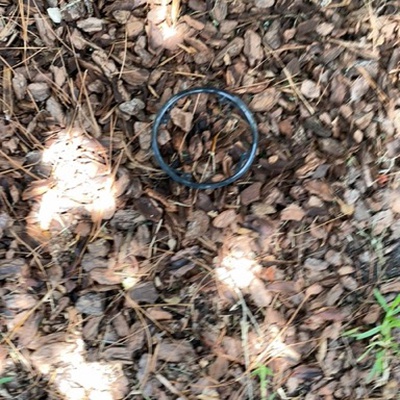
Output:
x=249 y=155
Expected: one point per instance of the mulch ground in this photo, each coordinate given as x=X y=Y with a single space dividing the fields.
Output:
x=117 y=282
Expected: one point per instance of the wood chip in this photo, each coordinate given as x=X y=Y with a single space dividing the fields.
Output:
x=91 y=304
x=40 y=91
x=224 y=219
x=175 y=351
x=90 y=24
x=199 y=223
x=144 y=292
x=265 y=100
x=264 y=3
x=182 y=119
x=232 y=49
x=310 y=89
x=252 y=47
x=10 y=268
x=292 y=213
x=251 y=194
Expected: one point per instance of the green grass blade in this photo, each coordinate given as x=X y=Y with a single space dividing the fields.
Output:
x=351 y=332
x=396 y=302
x=5 y=380
x=394 y=322
x=367 y=334
x=381 y=300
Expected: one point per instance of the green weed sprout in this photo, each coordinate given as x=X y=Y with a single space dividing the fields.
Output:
x=263 y=374
x=5 y=380
x=383 y=345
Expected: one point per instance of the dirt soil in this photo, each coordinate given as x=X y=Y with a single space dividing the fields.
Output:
x=117 y=282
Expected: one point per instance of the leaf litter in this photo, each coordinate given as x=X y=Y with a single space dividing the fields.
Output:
x=157 y=291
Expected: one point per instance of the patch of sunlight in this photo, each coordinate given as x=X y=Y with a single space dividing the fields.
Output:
x=80 y=179
x=277 y=348
x=74 y=377
x=170 y=15
x=237 y=269
x=168 y=31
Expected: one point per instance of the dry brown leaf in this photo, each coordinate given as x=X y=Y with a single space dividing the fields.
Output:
x=286 y=287
x=358 y=89
x=331 y=314
x=373 y=314
x=233 y=347
x=117 y=354
x=19 y=301
x=395 y=204
x=391 y=389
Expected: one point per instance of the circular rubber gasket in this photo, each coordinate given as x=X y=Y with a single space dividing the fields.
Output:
x=248 y=156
